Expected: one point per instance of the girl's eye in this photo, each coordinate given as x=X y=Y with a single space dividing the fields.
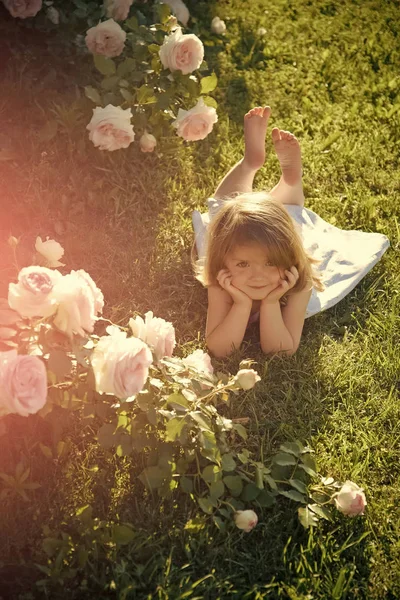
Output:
x=243 y=264
x=269 y=264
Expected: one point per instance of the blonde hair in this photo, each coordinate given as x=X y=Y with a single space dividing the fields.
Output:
x=257 y=217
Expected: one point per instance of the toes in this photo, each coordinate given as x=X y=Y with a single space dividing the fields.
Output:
x=276 y=134
x=267 y=111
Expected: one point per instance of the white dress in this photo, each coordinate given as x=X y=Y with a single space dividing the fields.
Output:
x=346 y=256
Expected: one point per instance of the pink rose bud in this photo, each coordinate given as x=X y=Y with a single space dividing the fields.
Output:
x=350 y=500
x=246 y=520
x=247 y=378
x=147 y=142
x=12 y=241
x=218 y=26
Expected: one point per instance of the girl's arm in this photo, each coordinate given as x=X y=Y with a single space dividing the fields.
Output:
x=226 y=321
x=281 y=327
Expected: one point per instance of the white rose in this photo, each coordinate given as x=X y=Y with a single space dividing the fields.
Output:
x=147 y=142
x=182 y=52
x=51 y=250
x=53 y=15
x=247 y=378
x=23 y=384
x=200 y=361
x=196 y=123
x=180 y=10
x=98 y=297
x=157 y=333
x=107 y=38
x=120 y=364
x=118 y=9
x=33 y=295
x=246 y=520
x=350 y=500
x=23 y=8
x=76 y=312
x=218 y=26
x=110 y=128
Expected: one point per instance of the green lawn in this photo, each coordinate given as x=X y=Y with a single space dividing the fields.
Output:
x=330 y=72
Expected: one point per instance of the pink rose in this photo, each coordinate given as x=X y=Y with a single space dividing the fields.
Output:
x=246 y=520
x=200 y=361
x=110 y=128
x=180 y=10
x=51 y=251
x=23 y=383
x=147 y=142
x=77 y=303
x=23 y=8
x=196 y=123
x=182 y=52
x=247 y=378
x=118 y=9
x=350 y=499
x=106 y=38
x=97 y=294
x=157 y=333
x=33 y=295
x=120 y=364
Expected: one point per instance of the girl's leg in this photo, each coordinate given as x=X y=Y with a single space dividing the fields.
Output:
x=289 y=189
x=240 y=178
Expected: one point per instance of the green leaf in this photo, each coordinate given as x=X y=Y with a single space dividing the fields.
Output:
x=145 y=95
x=173 y=428
x=282 y=459
x=271 y=481
x=322 y=511
x=211 y=474
x=307 y=518
x=265 y=499
x=109 y=83
x=234 y=483
x=250 y=492
x=177 y=401
x=92 y=94
x=163 y=12
x=105 y=65
x=208 y=101
x=206 y=505
x=196 y=524
x=186 y=484
x=293 y=495
x=307 y=470
x=228 y=463
x=153 y=477
x=126 y=66
x=122 y=534
x=132 y=24
x=298 y=485
x=309 y=461
x=331 y=139
x=126 y=95
x=240 y=430
x=46 y=450
x=208 y=84
x=59 y=363
x=217 y=489
x=203 y=421
x=106 y=435
x=295 y=448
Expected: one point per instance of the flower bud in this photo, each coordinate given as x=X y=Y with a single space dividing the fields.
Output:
x=147 y=142
x=261 y=31
x=12 y=241
x=218 y=26
x=247 y=378
x=246 y=520
x=350 y=500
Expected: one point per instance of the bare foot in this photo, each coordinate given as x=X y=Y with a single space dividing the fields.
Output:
x=255 y=130
x=287 y=149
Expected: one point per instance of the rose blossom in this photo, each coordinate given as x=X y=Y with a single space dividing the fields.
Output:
x=247 y=378
x=157 y=333
x=120 y=364
x=218 y=26
x=23 y=383
x=180 y=10
x=51 y=250
x=147 y=142
x=77 y=303
x=97 y=294
x=118 y=9
x=106 y=38
x=23 y=8
x=200 y=361
x=246 y=520
x=182 y=52
x=350 y=499
x=33 y=295
x=110 y=128
x=196 y=123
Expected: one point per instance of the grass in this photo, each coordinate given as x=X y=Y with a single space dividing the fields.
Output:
x=330 y=72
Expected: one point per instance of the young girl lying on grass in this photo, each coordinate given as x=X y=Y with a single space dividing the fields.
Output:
x=260 y=255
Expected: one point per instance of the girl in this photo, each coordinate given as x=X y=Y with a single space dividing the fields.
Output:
x=253 y=260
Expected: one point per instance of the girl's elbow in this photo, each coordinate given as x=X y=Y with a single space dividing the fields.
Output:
x=216 y=351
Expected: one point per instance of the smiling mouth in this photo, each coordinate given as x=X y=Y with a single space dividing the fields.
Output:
x=257 y=287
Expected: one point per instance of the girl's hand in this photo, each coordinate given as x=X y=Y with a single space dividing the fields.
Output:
x=285 y=285
x=224 y=279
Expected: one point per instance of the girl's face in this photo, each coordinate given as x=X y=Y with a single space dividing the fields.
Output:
x=251 y=270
